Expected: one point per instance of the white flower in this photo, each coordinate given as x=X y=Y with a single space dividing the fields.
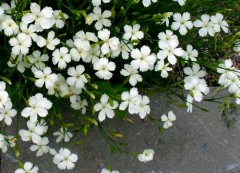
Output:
x=103 y=67
x=20 y=44
x=93 y=54
x=190 y=53
x=57 y=86
x=168 y=36
x=234 y=84
x=132 y=32
x=77 y=78
x=228 y=64
x=1 y=11
x=165 y=18
x=227 y=71
x=105 y=108
x=104 y=170
x=180 y=2
x=70 y=43
x=6 y=142
x=7 y=113
x=133 y=73
x=46 y=77
x=131 y=100
x=41 y=147
x=123 y=48
x=3 y=94
x=61 y=57
x=78 y=104
x=59 y=18
x=38 y=60
x=52 y=151
x=143 y=107
x=101 y=18
x=182 y=22
x=9 y=27
x=27 y=168
x=219 y=23
x=65 y=90
x=28 y=30
x=88 y=36
x=19 y=61
x=42 y=18
x=3 y=144
x=206 y=26
x=229 y=76
x=143 y=59
x=43 y=124
x=99 y=2
x=197 y=87
x=7 y=8
x=147 y=3
x=63 y=134
x=34 y=132
x=88 y=20
x=146 y=156
x=168 y=119
x=50 y=42
x=109 y=43
x=163 y=67
x=195 y=71
x=169 y=51
x=189 y=103
x=39 y=106
x=81 y=50
x=194 y=83
x=64 y=159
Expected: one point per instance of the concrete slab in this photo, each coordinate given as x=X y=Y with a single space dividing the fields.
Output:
x=197 y=143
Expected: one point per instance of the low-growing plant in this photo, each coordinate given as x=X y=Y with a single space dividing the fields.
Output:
x=100 y=59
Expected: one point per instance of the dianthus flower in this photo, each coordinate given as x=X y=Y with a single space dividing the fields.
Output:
x=143 y=59
x=103 y=67
x=134 y=76
x=146 y=156
x=42 y=18
x=61 y=57
x=38 y=106
x=109 y=43
x=182 y=22
x=77 y=77
x=41 y=147
x=132 y=32
x=105 y=108
x=20 y=44
x=168 y=119
x=206 y=26
x=45 y=76
x=101 y=18
x=27 y=168
x=64 y=159
x=34 y=132
x=50 y=42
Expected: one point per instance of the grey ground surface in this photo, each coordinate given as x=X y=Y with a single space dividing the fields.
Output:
x=197 y=143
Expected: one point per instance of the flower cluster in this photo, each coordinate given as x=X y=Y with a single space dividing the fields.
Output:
x=230 y=78
x=195 y=83
x=103 y=57
x=6 y=110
